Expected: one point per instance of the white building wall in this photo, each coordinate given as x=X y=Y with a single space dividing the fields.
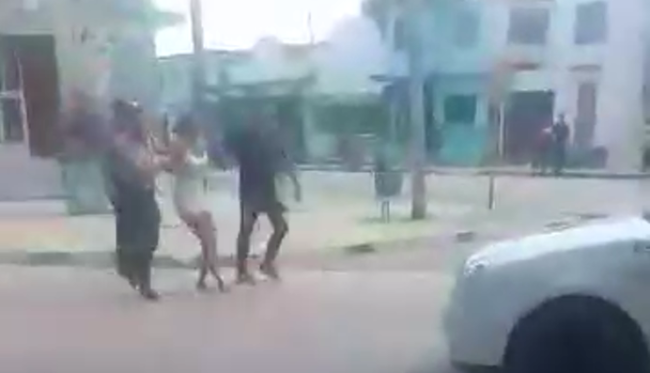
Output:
x=620 y=107
x=84 y=66
x=616 y=64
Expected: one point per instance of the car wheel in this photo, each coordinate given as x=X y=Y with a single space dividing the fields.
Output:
x=576 y=335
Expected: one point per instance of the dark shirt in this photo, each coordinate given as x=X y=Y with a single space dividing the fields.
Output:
x=258 y=163
x=122 y=166
x=561 y=132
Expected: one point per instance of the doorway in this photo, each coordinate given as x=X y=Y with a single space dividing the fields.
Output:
x=31 y=69
x=585 y=123
x=527 y=114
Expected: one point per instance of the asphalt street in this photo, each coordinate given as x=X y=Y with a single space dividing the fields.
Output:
x=74 y=320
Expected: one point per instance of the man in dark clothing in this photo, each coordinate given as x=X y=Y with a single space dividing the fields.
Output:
x=260 y=159
x=561 y=133
x=132 y=167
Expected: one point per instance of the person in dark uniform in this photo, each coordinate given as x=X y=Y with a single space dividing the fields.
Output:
x=120 y=111
x=543 y=147
x=561 y=133
x=261 y=160
x=132 y=167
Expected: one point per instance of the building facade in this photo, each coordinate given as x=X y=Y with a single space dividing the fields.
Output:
x=49 y=49
x=319 y=90
x=534 y=60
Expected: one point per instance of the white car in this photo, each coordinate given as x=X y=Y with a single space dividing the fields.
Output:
x=576 y=300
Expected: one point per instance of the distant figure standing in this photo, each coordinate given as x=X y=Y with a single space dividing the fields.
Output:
x=381 y=169
x=561 y=134
x=544 y=144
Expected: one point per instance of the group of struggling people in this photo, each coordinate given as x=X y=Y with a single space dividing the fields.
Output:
x=135 y=158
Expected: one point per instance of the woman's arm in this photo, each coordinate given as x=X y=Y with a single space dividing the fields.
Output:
x=175 y=155
x=157 y=146
x=150 y=164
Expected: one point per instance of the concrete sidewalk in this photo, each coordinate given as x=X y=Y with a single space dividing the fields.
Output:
x=315 y=227
x=64 y=320
x=87 y=242
x=518 y=171
x=338 y=212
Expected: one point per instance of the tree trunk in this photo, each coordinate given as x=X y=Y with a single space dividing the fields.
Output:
x=198 y=62
x=418 y=138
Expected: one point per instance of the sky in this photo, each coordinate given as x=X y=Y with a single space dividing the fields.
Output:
x=237 y=24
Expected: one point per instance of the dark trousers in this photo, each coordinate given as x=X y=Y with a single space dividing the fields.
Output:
x=137 y=232
x=542 y=160
x=250 y=209
x=559 y=158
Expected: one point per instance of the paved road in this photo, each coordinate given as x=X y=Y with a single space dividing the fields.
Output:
x=63 y=320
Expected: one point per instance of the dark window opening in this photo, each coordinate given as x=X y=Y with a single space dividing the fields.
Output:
x=466 y=29
x=460 y=109
x=399 y=35
x=591 y=23
x=528 y=26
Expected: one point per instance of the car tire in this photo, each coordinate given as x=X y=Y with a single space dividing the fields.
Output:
x=576 y=335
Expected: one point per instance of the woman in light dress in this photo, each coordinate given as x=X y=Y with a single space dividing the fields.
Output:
x=189 y=166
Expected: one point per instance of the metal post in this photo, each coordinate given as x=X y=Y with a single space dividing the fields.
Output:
x=393 y=116
x=491 y=187
x=417 y=136
x=501 y=155
x=198 y=61
x=502 y=131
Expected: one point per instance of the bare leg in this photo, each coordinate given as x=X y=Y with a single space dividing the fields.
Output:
x=192 y=224
x=203 y=264
x=246 y=225
x=206 y=230
x=280 y=230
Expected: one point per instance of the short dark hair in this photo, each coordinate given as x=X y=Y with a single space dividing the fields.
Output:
x=126 y=118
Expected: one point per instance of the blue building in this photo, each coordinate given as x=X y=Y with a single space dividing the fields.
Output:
x=458 y=63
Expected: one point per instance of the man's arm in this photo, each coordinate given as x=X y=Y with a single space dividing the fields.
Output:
x=288 y=167
x=233 y=142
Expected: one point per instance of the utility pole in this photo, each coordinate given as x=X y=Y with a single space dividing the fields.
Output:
x=416 y=98
x=499 y=85
x=198 y=60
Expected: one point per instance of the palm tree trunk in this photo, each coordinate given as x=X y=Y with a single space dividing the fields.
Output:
x=198 y=62
x=418 y=133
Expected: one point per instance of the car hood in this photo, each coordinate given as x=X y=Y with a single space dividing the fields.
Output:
x=580 y=238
